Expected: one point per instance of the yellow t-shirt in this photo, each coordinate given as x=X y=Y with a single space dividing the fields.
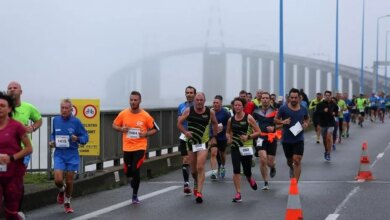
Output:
x=136 y=123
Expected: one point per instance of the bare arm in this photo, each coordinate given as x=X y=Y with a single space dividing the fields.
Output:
x=229 y=134
x=180 y=121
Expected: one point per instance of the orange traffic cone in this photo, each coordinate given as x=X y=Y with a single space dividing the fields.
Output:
x=294 y=210
x=364 y=170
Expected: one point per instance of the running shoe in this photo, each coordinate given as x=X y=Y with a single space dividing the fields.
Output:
x=61 y=198
x=327 y=157
x=223 y=172
x=213 y=177
x=252 y=183
x=67 y=208
x=265 y=187
x=199 y=198
x=334 y=146
x=318 y=141
x=135 y=200
x=347 y=135
x=187 y=189
x=272 y=172
x=237 y=198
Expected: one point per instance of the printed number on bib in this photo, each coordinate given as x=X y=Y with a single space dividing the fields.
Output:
x=198 y=147
x=182 y=137
x=246 y=151
x=62 y=141
x=133 y=133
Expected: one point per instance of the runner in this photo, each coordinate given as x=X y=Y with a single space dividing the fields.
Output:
x=12 y=169
x=241 y=128
x=327 y=111
x=67 y=133
x=197 y=134
x=218 y=151
x=361 y=103
x=347 y=115
x=373 y=101
x=294 y=119
x=342 y=108
x=136 y=125
x=190 y=94
x=312 y=108
x=266 y=142
x=382 y=106
x=25 y=113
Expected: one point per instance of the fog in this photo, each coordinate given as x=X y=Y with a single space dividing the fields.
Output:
x=59 y=49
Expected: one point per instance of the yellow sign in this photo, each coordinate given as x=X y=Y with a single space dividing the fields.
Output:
x=88 y=111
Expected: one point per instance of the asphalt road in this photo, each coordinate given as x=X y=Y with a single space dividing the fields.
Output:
x=327 y=190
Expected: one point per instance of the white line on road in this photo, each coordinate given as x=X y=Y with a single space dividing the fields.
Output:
x=125 y=203
x=380 y=155
x=335 y=214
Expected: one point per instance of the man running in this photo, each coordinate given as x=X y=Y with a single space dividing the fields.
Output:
x=327 y=111
x=190 y=94
x=266 y=142
x=222 y=116
x=197 y=134
x=294 y=119
x=361 y=103
x=136 y=125
x=67 y=133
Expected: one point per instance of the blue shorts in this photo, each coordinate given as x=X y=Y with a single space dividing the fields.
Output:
x=347 y=117
x=66 y=160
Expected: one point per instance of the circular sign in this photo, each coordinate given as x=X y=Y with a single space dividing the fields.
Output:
x=89 y=111
x=74 y=110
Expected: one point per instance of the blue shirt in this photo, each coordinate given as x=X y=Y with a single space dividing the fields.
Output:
x=373 y=101
x=222 y=118
x=64 y=128
x=382 y=102
x=295 y=116
x=181 y=109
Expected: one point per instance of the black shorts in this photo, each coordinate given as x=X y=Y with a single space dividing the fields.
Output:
x=221 y=145
x=183 y=146
x=291 y=149
x=270 y=148
x=315 y=120
x=133 y=161
x=374 y=108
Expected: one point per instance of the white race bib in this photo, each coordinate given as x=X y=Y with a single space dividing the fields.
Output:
x=3 y=168
x=361 y=110
x=133 y=133
x=198 y=147
x=246 y=150
x=259 y=142
x=220 y=128
x=182 y=137
x=62 y=141
x=346 y=112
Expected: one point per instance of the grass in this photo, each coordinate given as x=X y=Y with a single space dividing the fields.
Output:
x=36 y=178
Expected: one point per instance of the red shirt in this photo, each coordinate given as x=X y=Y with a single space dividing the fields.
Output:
x=249 y=107
x=10 y=143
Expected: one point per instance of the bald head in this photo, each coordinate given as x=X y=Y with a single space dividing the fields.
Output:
x=200 y=99
x=14 y=89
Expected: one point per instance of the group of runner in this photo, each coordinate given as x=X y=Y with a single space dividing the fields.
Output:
x=250 y=127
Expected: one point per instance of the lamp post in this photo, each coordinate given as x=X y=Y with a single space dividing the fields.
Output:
x=377 y=50
x=281 y=52
x=387 y=38
x=362 y=54
x=336 y=71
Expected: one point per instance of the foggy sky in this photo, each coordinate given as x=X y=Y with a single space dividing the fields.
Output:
x=59 y=49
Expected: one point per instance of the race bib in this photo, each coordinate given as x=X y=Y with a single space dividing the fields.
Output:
x=198 y=147
x=182 y=137
x=133 y=133
x=246 y=150
x=3 y=168
x=361 y=110
x=62 y=141
x=259 y=142
x=220 y=128
x=346 y=112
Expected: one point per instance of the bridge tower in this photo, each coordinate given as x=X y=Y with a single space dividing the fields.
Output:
x=214 y=62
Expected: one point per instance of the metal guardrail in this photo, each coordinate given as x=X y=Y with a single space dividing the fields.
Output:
x=110 y=141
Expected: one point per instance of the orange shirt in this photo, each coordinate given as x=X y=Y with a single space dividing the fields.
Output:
x=136 y=123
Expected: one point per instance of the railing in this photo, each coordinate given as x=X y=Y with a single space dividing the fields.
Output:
x=164 y=142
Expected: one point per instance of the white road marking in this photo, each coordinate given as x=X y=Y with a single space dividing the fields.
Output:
x=332 y=217
x=125 y=203
x=380 y=155
x=335 y=214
